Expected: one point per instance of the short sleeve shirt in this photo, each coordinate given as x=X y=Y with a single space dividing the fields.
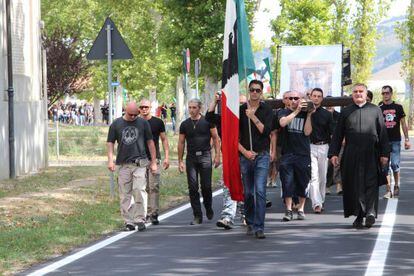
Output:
x=293 y=136
x=393 y=113
x=197 y=134
x=157 y=127
x=132 y=137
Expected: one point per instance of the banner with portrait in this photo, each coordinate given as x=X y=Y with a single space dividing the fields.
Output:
x=306 y=67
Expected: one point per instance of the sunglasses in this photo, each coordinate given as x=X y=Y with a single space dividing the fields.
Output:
x=257 y=90
x=132 y=115
x=144 y=107
x=293 y=98
x=385 y=93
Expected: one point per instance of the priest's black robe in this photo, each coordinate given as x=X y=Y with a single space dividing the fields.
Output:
x=366 y=141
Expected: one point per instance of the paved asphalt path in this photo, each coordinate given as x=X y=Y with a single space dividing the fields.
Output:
x=321 y=245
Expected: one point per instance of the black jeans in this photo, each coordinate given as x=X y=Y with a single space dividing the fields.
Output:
x=199 y=166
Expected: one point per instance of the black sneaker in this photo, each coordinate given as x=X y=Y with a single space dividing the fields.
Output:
x=210 y=214
x=369 y=221
x=249 y=230
x=129 y=227
x=260 y=235
x=358 y=223
x=288 y=216
x=196 y=221
x=268 y=203
x=154 y=219
x=141 y=226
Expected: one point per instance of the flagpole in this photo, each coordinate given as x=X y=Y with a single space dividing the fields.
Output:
x=248 y=105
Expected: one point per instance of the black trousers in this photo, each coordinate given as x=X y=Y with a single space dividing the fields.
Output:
x=199 y=168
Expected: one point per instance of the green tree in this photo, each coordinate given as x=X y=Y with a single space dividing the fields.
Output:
x=340 y=23
x=197 y=25
x=369 y=13
x=137 y=21
x=303 y=22
x=405 y=32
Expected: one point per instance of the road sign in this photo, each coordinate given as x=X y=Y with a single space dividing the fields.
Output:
x=197 y=67
x=188 y=62
x=99 y=48
x=115 y=83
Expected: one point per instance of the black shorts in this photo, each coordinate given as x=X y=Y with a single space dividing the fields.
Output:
x=295 y=174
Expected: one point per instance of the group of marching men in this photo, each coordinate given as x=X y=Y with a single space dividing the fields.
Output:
x=300 y=137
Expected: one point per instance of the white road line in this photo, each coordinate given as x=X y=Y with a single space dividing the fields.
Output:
x=76 y=256
x=379 y=254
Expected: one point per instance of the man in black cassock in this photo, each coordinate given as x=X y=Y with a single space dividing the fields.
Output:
x=365 y=155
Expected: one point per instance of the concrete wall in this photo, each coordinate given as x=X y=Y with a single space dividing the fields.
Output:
x=29 y=101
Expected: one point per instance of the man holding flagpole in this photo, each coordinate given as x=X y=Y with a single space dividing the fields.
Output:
x=238 y=62
x=254 y=143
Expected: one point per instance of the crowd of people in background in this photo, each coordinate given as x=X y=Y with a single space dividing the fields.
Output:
x=72 y=113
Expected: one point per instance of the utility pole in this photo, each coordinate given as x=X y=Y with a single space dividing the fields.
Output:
x=10 y=94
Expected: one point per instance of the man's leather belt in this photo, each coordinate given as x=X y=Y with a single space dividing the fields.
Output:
x=321 y=143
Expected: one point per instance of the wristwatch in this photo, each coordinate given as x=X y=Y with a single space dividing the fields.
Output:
x=407 y=139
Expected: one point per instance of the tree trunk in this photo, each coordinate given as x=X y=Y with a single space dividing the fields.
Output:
x=97 y=111
x=211 y=87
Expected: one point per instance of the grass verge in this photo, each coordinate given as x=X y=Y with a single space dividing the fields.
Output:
x=88 y=143
x=47 y=218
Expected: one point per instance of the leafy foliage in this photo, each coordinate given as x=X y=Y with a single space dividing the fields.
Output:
x=369 y=13
x=66 y=68
x=405 y=32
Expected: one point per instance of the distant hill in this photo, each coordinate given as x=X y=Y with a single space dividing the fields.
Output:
x=388 y=45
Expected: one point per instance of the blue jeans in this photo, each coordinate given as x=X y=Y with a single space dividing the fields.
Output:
x=254 y=176
x=395 y=156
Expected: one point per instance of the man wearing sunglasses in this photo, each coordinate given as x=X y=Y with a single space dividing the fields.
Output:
x=153 y=186
x=295 y=164
x=255 y=125
x=394 y=118
x=133 y=135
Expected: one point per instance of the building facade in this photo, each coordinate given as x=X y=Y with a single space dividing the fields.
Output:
x=30 y=100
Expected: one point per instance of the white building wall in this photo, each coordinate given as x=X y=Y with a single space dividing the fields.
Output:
x=29 y=104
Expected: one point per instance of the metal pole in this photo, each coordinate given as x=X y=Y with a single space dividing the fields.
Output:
x=44 y=80
x=277 y=70
x=109 y=57
x=197 y=87
x=10 y=94
x=342 y=71
x=57 y=139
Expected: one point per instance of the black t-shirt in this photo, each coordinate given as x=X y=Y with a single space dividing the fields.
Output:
x=275 y=121
x=215 y=119
x=172 y=109
x=157 y=127
x=393 y=113
x=322 y=126
x=197 y=134
x=132 y=137
x=260 y=141
x=293 y=136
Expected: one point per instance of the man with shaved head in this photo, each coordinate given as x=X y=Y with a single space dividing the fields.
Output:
x=153 y=186
x=295 y=164
x=133 y=135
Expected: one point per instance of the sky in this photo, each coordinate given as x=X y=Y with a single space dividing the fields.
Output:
x=269 y=9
